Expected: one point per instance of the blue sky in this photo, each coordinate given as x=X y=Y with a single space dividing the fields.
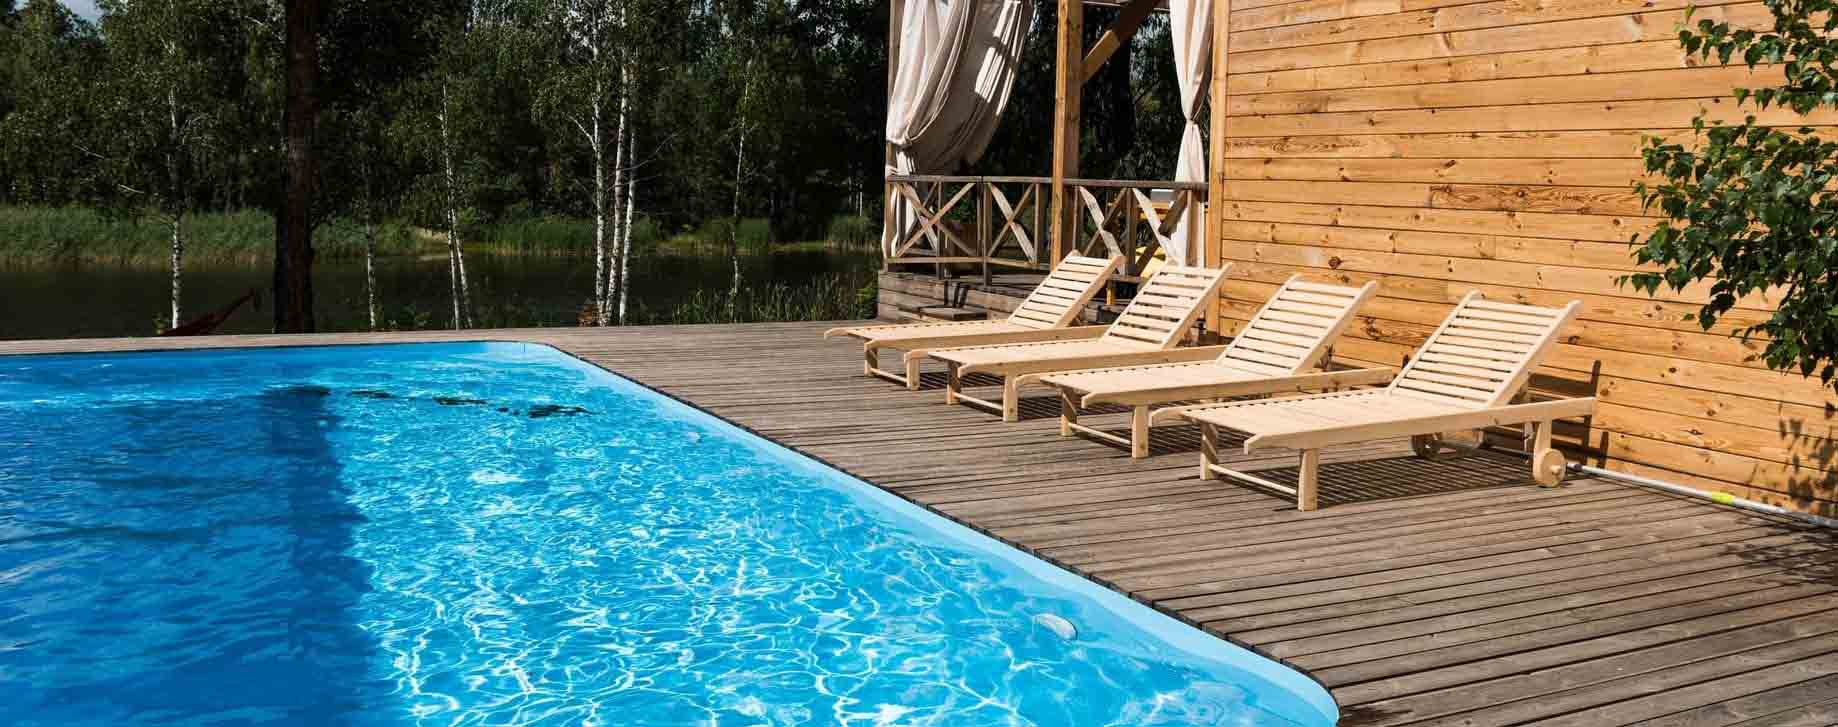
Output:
x=85 y=8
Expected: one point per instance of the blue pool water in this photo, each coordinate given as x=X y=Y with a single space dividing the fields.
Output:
x=501 y=534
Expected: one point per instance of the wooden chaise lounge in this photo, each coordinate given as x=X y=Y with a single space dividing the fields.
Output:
x=1276 y=352
x=1046 y=315
x=1463 y=378
x=1147 y=332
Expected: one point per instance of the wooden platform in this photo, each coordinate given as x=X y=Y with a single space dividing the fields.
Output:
x=1448 y=592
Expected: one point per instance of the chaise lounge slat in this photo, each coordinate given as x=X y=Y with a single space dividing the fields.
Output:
x=1047 y=314
x=1267 y=357
x=1147 y=332
x=1462 y=378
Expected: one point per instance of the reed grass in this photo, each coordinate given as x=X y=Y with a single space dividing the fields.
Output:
x=827 y=298
x=553 y=235
x=58 y=235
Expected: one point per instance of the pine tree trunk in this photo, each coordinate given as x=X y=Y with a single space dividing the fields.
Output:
x=293 y=265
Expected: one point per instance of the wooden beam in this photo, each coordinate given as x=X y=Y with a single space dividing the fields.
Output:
x=1129 y=18
x=1068 y=85
x=1211 y=241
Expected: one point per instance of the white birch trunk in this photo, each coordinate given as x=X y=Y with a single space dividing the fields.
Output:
x=740 y=156
x=600 y=253
x=456 y=260
x=370 y=269
x=740 y=161
x=621 y=189
x=178 y=255
x=625 y=231
x=176 y=192
x=615 y=282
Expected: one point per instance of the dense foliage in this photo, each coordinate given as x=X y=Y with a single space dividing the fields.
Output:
x=1749 y=207
x=86 y=109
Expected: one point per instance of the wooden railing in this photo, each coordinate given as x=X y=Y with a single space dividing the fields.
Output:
x=1006 y=221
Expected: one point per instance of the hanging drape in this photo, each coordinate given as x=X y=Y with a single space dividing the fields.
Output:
x=952 y=78
x=1191 y=22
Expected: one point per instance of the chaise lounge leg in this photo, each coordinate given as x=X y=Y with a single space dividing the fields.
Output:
x=1139 y=432
x=1548 y=465
x=1011 y=400
x=1307 y=479
x=1068 y=412
x=912 y=375
x=952 y=381
x=1209 y=450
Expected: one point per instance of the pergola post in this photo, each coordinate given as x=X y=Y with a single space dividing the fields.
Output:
x=1215 y=162
x=1068 y=82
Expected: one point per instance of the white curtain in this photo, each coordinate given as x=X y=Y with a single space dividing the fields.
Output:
x=953 y=76
x=1191 y=22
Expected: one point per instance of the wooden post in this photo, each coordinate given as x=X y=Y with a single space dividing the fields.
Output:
x=985 y=236
x=1215 y=164
x=1068 y=80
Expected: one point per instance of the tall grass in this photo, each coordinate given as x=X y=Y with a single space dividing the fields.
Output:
x=755 y=237
x=852 y=231
x=80 y=235
x=552 y=235
x=75 y=234
x=828 y=298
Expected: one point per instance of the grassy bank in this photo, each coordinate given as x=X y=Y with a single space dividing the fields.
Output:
x=65 y=235
x=828 y=298
x=76 y=235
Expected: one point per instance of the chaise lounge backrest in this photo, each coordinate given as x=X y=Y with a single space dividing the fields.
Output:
x=1482 y=353
x=1062 y=295
x=1165 y=306
x=1295 y=328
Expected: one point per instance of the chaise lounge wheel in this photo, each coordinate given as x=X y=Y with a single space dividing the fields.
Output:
x=1426 y=446
x=1549 y=468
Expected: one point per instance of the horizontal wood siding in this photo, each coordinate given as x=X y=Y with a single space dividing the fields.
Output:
x=1443 y=146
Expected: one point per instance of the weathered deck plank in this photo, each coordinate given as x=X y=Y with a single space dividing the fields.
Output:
x=1447 y=592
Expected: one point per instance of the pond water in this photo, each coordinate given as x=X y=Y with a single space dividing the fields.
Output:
x=104 y=300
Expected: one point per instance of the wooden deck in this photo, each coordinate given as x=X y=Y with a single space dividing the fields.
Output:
x=1447 y=592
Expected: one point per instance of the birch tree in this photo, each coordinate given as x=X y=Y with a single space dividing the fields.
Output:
x=582 y=87
x=451 y=196
x=631 y=193
x=449 y=97
x=154 y=136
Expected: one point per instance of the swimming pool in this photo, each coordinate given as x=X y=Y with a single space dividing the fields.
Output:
x=502 y=534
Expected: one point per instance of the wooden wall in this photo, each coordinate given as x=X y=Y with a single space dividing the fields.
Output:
x=1443 y=146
